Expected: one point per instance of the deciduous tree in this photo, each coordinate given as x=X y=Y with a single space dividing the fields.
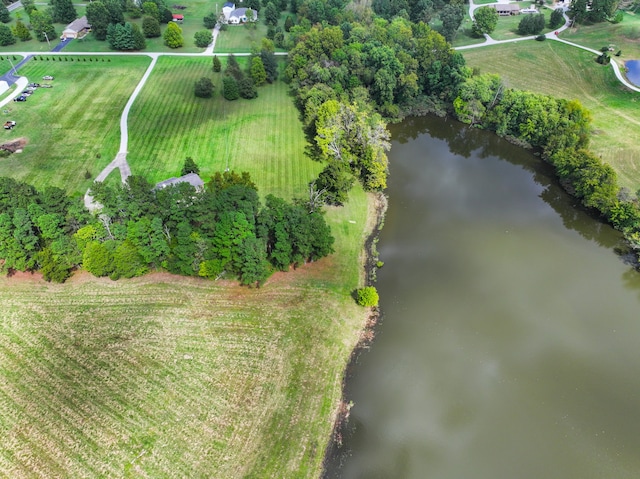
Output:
x=173 y=36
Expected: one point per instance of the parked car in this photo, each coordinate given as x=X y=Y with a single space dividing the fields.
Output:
x=33 y=85
x=47 y=77
x=27 y=93
x=9 y=125
x=46 y=86
x=20 y=98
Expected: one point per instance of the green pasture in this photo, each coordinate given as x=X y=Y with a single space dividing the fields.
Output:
x=73 y=127
x=263 y=136
x=240 y=38
x=623 y=36
x=567 y=72
x=172 y=377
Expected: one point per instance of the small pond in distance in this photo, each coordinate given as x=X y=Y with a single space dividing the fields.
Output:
x=633 y=71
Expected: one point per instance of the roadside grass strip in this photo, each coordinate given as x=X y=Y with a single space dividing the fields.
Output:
x=73 y=127
x=564 y=71
x=262 y=136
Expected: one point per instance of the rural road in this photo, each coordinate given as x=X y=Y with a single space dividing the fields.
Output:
x=550 y=36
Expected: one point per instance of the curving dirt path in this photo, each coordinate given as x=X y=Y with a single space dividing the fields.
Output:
x=120 y=160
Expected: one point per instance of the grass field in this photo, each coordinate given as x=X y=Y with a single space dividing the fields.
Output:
x=165 y=376
x=69 y=125
x=567 y=72
x=262 y=136
x=172 y=377
x=507 y=27
x=623 y=36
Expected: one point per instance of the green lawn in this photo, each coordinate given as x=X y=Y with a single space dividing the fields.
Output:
x=623 y=36
x=567 y=72
x=68 y=126
x=262 y=136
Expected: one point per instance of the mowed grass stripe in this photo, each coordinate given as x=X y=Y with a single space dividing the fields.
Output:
x=262 y=136
x=68 y=126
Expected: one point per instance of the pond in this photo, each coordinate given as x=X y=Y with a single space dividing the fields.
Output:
x=508 y=345
x=633 y=71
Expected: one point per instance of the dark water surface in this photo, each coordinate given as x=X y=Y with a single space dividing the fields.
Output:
x=510 y=340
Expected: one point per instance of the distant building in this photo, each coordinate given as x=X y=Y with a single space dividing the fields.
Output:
x=227 y=8
x=76 y=29
x=178 y=18
x=192 y=178
x=505 y=10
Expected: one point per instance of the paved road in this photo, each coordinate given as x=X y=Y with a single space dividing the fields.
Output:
x=550 y=36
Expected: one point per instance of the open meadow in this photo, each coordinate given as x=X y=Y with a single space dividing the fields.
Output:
x=73 y=127
x=167 y=376
x=262 y=136
x=567 y=72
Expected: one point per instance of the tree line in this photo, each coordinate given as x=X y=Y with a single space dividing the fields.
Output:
x=357 y=70
x=221 y=230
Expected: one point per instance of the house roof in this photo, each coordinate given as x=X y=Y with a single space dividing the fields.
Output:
x=229 y=5
x=177 y=16
x=241 y=12
x=191 y=178
x=509 y=7
x=78 y=24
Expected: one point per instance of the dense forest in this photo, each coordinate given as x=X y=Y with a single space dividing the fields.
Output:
x=222 y=230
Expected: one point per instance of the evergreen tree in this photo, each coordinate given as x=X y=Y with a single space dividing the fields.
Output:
x=173 y=36
x=99 y=19
x=151 y=27
x=116 y=11
x=5 y=16
x=270 y=65
x=63 y=11
x=557 y=18
x=230 y=88
x=257 y=71
x=21 y=31
x=203 y=89
x=210 y=20
x=124 y=37
x=138 y=37
x=189 y=166
x=271 y=14
x=217 y=65
x=233 y=68
x=289 y=23
x=247 y=89
x=6 y=36
x=150 y=9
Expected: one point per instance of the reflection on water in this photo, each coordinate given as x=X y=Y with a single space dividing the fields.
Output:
x=508 y=345
x=633 y=71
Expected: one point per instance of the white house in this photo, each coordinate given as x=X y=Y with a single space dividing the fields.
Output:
x=227 y=8
x=76 y=29
x=240 y=15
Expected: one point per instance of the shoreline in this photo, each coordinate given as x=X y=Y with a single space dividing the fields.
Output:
x=332 y=456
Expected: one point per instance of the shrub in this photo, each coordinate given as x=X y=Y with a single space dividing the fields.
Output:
x=367 y=296
x=203 y=88
x=151 y=27
x=230 y=88
x=202 y=38
x=210 y=20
